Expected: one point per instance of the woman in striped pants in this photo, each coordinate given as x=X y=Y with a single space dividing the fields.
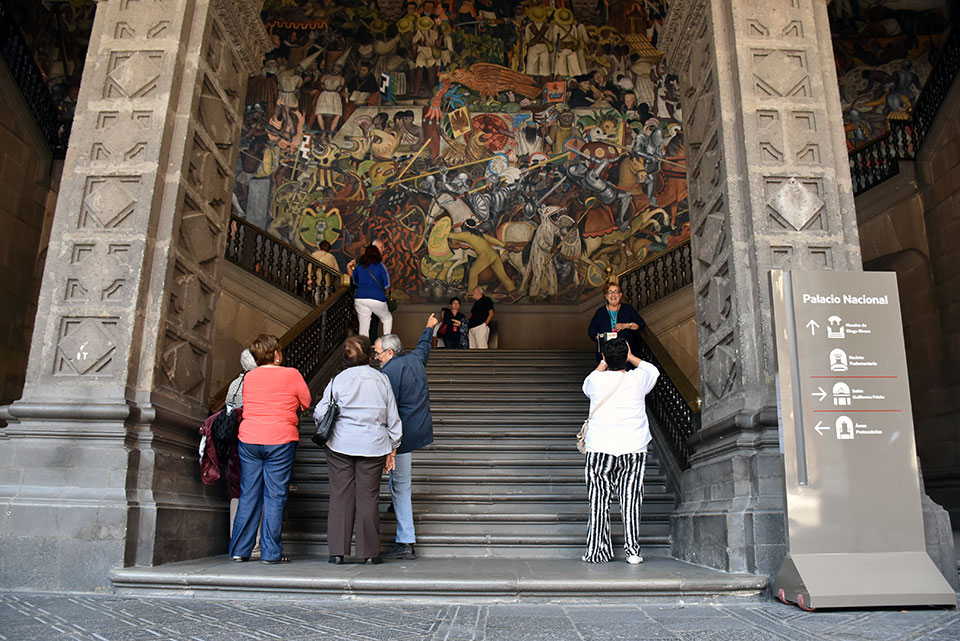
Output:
x=616 y=448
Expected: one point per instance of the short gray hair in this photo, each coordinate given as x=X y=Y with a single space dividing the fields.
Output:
x=247 y=361
x=391 y=342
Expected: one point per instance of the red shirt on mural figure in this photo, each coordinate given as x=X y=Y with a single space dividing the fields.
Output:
x=271 y=397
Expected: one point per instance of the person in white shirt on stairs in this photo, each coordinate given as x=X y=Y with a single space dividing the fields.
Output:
x=616 y=442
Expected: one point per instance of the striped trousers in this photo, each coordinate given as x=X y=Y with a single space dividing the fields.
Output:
x=606 y=473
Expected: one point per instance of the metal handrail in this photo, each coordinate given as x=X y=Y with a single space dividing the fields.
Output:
x=674 y=400
x=657 y=276
x=308 y=344
x=278 y=262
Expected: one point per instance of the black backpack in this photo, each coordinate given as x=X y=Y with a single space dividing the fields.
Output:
x=225 y=428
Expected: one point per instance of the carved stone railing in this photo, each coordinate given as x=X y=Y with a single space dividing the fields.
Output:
x=279 y=263
x=674 y=400
x=879 y=160
x=310 y=343
x=657 y=276
x=29 y=78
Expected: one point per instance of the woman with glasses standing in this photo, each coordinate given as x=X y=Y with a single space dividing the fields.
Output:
x=269 y=434
x=616 y=317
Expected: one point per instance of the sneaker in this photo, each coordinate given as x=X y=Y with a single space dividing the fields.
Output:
x=400 y=551
x=634 y=559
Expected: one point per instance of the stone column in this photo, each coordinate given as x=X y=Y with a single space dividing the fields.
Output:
x=769 y=189
x=100 y=468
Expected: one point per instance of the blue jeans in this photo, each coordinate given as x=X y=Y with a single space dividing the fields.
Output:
x=400 y=482
x=264 y=483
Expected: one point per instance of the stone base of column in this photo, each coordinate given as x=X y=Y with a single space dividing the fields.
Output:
x=732 y=514
x=938 y=536
x=104 y=490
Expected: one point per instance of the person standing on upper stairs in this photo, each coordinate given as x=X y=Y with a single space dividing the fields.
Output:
x=617 y=317
x=408 y=378
x=373 y=285
x=480 y=316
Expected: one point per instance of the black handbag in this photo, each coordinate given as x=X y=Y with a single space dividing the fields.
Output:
x=225 y=428
x=391 y=301
x=326 y=423
x=225 y=431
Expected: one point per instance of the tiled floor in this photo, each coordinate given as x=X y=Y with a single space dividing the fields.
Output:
x=33 y=617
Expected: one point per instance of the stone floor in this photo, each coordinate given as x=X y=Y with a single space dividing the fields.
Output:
x=56 y=617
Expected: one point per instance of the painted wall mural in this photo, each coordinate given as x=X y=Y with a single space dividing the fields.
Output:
x=884 y=51
x=522 y=147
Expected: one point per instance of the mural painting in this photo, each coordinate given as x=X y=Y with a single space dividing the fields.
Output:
x=884 y=50
x=521 y=147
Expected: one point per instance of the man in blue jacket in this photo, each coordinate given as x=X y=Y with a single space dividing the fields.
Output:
x=408 y=378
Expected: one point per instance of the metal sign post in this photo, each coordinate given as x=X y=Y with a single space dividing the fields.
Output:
x=854 y=522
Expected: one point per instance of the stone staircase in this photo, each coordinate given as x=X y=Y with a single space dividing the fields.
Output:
x=503 y=477
x=499 y=503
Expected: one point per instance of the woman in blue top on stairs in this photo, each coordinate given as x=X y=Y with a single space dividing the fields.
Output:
x=372 y=282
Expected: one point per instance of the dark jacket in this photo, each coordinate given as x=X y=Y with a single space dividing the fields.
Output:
x=626 y=314
x=408 y=378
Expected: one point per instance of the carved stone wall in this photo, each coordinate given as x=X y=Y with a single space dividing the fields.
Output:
x=770 y=188
x=104 y=436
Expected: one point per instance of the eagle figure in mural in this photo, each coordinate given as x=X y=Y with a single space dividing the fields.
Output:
x=486 y=79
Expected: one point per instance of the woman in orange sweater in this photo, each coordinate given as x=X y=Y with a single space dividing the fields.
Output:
x=268 y=441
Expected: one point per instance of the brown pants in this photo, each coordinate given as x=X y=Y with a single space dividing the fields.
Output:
x=354 y=491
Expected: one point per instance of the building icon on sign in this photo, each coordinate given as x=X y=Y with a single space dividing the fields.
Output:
x=835 y=327
x=841 y=394
x=844 y=428
x=838 y=360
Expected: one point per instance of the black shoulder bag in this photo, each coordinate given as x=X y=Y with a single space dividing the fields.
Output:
x=391 y=301
x=325 y=423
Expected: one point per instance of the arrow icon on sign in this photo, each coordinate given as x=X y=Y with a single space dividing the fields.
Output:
x=813 y=325
x=822 y=394
x=821 y=428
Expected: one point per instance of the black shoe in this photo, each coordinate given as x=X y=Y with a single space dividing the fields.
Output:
x=373 y=560
x=400 y=551
x=335 y=559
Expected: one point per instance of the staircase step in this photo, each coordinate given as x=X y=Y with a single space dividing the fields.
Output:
x=492 y=578
x=503 y=476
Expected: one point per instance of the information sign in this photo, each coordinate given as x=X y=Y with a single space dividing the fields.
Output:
x=854 y=521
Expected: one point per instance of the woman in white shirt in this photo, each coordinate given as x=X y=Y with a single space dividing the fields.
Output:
x=616 y=448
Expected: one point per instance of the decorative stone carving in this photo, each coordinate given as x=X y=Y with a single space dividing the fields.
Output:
x=86 y=346
x=241 y=21
x=199 y=237
x=721 y=370
x=109 y=201
x=134 y=73
x=183 y=367
x=781 y=74
x=794 y=203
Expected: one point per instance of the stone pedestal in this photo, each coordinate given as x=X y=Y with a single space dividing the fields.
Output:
x=769 y=189
x=100 y=468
